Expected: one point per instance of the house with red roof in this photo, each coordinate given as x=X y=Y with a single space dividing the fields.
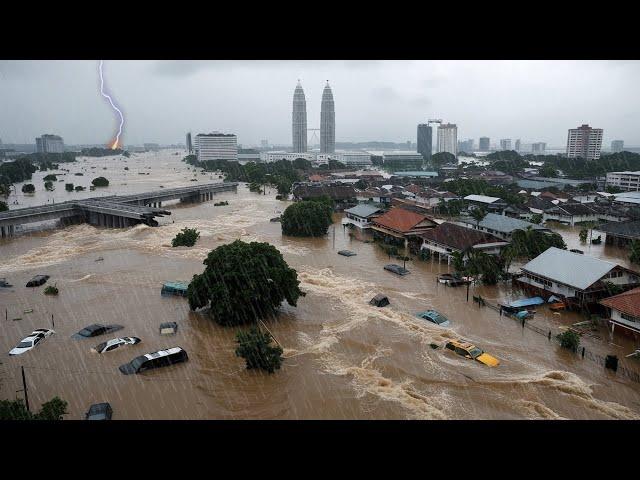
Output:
x=624 y=311
x=402 y=225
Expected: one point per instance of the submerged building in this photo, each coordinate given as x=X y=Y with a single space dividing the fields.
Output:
x=327 y=122
x=299 y=120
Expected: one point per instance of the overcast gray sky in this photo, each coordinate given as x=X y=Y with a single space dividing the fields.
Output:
x=374 y=100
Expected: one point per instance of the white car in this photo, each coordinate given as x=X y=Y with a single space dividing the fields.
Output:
x=115 y=343
x=31 y=341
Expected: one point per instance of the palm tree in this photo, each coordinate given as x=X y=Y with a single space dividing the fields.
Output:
x=478 y=215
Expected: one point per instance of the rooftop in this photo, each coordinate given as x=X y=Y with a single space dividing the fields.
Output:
x=627 y=302
x=460 y=238
x=363 y=210
x=502 y=223
x=400 y=219
x=573 y=269
x=482 y=199
x=623 y=229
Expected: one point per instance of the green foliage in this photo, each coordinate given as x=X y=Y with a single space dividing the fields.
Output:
x=536 y=218
x=255 y=187
x=54 y=409
x=530 y=243
x=48 y=186
x=470 y=186
x=548 y=170
x=50 y=178
x=186 y=238
x=425 y=254
x=634 y=251
x=478 y=214
x=256 y=349
x=451 y=207
x=584 y=233
x=243 y=282
x=16 y=171
x=302 y=164
x=308 y=218
x=51 y=290
x=68 y=187
x=100 y=152
x=569 y=339
x=613 y=289
x=336 y=165
x=79 y=188
x=3 y=206
x=612 y=189
x=361 y=185
x=580 y=168
x=488 y=267
x=100 y=182
x=442 y=158
x=28 y=188
x=504 y=156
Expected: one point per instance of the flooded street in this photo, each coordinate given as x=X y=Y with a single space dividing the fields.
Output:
x=344 y=358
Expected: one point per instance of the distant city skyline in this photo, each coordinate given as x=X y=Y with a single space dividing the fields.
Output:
x=537 y=101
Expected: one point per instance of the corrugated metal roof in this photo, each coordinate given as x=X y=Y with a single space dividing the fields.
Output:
x=362 y=210
x=502 y=223
x=573 y=269
x=482 y=198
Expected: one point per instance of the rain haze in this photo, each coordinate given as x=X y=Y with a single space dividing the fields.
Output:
x=374 y=100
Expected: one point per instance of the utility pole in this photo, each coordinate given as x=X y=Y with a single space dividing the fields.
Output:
x=334 y=237
x=24 y=387
x=53 y=325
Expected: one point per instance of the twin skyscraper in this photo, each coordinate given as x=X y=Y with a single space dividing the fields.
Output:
x=327 y=121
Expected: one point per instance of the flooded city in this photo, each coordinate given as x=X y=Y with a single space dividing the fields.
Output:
x=343 y=358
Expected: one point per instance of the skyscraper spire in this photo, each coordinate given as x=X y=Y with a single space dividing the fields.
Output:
x=327 y=122
x=299 y=120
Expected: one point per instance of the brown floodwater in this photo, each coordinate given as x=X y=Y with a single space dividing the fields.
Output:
x=344 y=358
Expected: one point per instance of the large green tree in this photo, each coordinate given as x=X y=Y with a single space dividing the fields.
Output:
x=243 y=282
x=258 y=352
x=308 y=218
x=3 y=206
x=54 y=409
x=442 y=158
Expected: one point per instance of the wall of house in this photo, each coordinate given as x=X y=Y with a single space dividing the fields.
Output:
x=631 y=322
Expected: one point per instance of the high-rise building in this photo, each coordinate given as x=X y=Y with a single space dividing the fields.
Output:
x=518 y=145
x=616 y=145
x=216 y=146
x=425 y=141
x=264 y=144
x=505 y=144
x=483 y=144
x=584 y=142
x=189 y=144
x=538 y=148
x=49 y=144
x=466 y=146
x=327 y=121
x=448 y=138
x=299 y=120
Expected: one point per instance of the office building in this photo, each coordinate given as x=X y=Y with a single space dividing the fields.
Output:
x=466 y=146
x=401 y=160
x=354 y=159
x=628 y=181
x=617 y=146
x=425 y=139
x=189 y=144
x=517 y=145
x=505 y=144
x=216 y=146
x=448 y=138
x=538 y=148
x=327 y=121
x=299 y=120
x=264 y=144
x=483 y=144
x=584 y=142
x=49 y=144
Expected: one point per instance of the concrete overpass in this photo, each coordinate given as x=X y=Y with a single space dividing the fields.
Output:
x=112 y=211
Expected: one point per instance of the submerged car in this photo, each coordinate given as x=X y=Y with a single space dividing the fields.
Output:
x=397 y=269
x=468 y=350
x=95 y=330
x=38 y=280
x=161 y=358
x=31 y=341
x=115 y=343
x=99 y=411
x=434 y=317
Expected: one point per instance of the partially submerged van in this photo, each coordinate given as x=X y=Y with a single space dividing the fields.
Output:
x=161 y=358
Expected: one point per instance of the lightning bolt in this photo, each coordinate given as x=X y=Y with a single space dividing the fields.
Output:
x=113 y=105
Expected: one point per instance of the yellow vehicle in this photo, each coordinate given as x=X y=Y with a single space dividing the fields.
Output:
x=467 y=350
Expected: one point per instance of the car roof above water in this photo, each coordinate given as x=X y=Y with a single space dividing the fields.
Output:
x=163 y=353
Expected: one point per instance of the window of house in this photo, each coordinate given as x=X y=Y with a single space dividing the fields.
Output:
x=629 y=317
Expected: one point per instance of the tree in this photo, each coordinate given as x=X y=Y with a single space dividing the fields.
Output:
x=569 y=339
x=48 y=186
x=361 y=184
x=100 y=182
x=50 y=178
x=530 y=243
x=3 y=206
x=68 y=187
x=28 y=188
x=51 y=290
x=79 y=188
x=307 y=218
x=548 y=170
x=442 y=158
x=336 y=165
x=54 y=409
x=536 y=218
x=256 y=349
x=187 y=237
x=478 y=215
x=584 y=233
x=243 y=282
x=302 y=164
x=634 y=255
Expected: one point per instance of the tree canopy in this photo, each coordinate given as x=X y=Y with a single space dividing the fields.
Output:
x=54 y=409
x=255 y=347
x=100 y=182
x=3 y=206
x=442 y=158
x=28 y=188
x=308 y=218
x=187 y=237
x=243 y=282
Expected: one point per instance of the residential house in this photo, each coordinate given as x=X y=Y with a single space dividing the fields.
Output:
x=343 y=195
x=624 y=311
x=500 y=226
x=620 y=234
x=402 y=226
x=360 y=216
x=373 y=195
x=571 y=213
x=447 y=238
x=578 y=279
x=492 y=204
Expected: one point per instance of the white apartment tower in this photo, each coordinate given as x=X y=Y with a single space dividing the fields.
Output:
x=448 y=138
x=505 y=144
x=584 y=142
x=216 y=146
x=49 y=144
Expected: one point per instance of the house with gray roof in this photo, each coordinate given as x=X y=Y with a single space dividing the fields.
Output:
x=360 y=216
x=578 y=279
x=499 y=225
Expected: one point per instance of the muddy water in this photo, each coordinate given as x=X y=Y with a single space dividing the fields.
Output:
x=344 y=358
